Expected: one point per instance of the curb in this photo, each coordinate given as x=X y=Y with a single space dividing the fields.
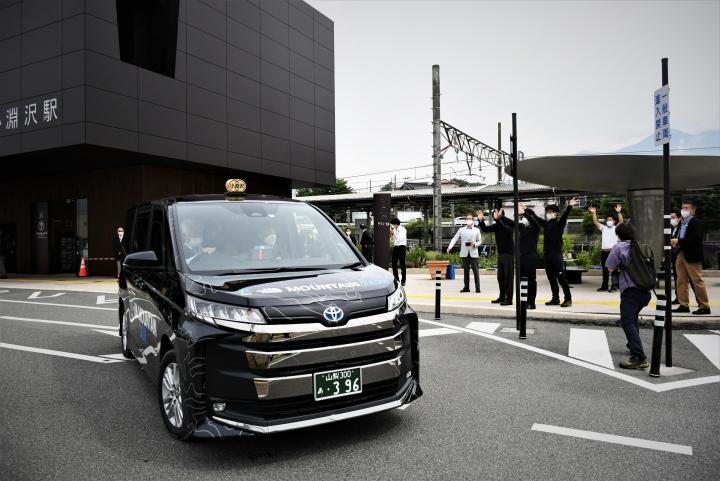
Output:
x=570 y=317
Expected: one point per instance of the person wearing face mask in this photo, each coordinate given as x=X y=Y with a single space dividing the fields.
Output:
x=193 y=239
x=688 y=262
x=529 y=234
x=504 y=241
x=553 y=229
x=119 y=249
x=469 y=237
x=675 y=218
x=608 y=241
x=366 y=243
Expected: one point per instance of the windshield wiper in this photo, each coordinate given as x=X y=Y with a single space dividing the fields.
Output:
x=353 y=265
x=270 y=269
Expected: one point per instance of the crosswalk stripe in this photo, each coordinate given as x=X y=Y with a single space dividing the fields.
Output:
x=486 y=327
x=708 y=344
x=439 y=331
x=590 y=345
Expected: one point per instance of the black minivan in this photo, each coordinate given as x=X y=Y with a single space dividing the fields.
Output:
x=256 y=314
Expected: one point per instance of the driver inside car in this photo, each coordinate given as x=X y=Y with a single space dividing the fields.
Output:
x=193 y=241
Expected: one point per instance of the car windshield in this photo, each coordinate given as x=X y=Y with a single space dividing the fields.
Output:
x=254 y=236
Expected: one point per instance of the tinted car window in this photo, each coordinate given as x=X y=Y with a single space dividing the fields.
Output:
x=140 y=230
x=240 y=236
x=156 y=231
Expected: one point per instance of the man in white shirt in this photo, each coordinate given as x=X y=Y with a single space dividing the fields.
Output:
x=609 y=239
x=399 y=238
x=470 y=240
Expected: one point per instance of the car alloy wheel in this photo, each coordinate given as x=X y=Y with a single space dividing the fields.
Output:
x=172 y=395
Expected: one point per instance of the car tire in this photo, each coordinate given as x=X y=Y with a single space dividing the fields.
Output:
x=124 y=341
x=171 y=398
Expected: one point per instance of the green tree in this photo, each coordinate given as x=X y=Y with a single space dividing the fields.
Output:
x=387 y=187
x=341 y=187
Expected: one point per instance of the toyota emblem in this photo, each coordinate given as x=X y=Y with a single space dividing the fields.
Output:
x=333 y=314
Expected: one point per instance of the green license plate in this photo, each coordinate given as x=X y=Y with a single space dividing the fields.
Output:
x=342 y=382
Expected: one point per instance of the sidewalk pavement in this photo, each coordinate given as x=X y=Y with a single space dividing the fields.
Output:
x=589 y=305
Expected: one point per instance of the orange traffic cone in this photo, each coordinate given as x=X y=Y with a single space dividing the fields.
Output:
x=83 y=269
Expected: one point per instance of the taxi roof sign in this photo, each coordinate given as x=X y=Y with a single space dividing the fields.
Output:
x=235 y=186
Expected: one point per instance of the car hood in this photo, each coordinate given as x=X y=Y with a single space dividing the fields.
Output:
x=294 y=288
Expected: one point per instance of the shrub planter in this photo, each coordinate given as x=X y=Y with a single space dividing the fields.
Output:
x=437 y=266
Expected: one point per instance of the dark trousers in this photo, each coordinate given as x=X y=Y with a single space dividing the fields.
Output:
x=555 y=270
x=398 y=256
x=505 y=276
x=367 y=252
x=471 y=263
x=606 y=274
x=632 y=300
x=528 y=267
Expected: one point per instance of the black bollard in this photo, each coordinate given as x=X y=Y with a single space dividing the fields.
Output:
x=658 y=336
x=438 y=276
x=523 y=307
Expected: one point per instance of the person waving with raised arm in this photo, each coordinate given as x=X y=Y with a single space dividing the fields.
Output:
x=505 y=259
x=608 y=241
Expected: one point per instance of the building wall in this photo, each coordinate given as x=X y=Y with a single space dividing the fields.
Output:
x=253 y=86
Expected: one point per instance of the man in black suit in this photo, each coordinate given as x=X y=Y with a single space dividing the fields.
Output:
x=366 y=243
x=504 y=241
x=688 y=262
x=119 y=248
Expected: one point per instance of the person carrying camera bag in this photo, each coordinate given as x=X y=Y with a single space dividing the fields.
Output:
x=469 y=237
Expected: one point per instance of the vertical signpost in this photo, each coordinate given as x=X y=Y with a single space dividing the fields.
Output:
x=661 y=106
x=516 y=229
x=437 y=195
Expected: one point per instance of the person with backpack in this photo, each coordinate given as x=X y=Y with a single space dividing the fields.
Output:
x=637 y=279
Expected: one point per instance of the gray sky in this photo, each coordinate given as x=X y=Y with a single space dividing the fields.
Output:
x=579 y=74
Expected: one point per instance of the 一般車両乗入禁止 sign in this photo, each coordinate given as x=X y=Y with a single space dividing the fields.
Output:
x=661 y=104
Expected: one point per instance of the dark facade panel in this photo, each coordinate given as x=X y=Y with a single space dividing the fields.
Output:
x=302 y=44
x=302 y=89
x=205 y=103
x=324 y=98
x=105 y=9
x=243 y=63
x=42 y=43
x=273 y=28
x=42 y=139
x=275 y=149
x=302 y=155
x=279 y=169
x=10 y=24
x=73 y=69
x=162 y=146
x=206 y=18
x=101 y=36
x=73 y=134
x=324 y=140
x=206 y=75
x=274 y=76
x=275 y=53
x=9 y=53
x=244 y=141
x=205 y=46
x=244 y=12
x=111 y=74
x=73 y=105
x=10 y=83
x=302 y=67
x=243 y=89
x=72 y=7
x=276 y=8
x=242 y=36
x=324 y=35
x=206 y=132
x=105 y=136
x=324 y=78
x=274 y=101
x=324 y=119
x=38 y=13
x=111 y=109
x=162 y=121
x=302 y=133
x=207 y=155
x=244 y=162
x=300 y=20
x=275 y=125
x=301 y=110
x=156 y=88
x=241 y=114
x=73 y=34
x=41 y=77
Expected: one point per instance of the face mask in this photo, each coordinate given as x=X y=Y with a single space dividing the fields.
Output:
x=347 y=233
x=685 y=213
x=196 y=241
x=524 y=221
x=610 y=223
x=674 y=222
x=550 y=216
x=469 y=222
x=270 y=240
x=120 y=234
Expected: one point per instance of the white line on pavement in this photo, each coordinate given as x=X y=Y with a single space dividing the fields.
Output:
x=611 y=438
x=64 y=323
x=51 y=352
x=716 y=332
x=110 y=333
x=516 y=331
x=617 y=375
x=36 y=295
x=488 y=327
x=101 y=300
x=590 y=345
x=439 y=331
x=708 y=344
x=3 y=291
x=60 y=305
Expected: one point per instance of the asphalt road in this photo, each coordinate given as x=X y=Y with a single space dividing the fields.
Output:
x=87 y=419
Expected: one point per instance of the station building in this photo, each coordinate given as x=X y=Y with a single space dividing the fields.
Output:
x=108 y=103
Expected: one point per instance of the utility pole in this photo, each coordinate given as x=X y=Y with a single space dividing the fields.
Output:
x=666 y=224
x=500 y=163
x=437 y=173
x=516 y=228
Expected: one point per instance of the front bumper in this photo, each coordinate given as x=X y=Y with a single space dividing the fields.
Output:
x=264 y=376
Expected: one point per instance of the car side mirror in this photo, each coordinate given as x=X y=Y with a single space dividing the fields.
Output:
x=141 y=259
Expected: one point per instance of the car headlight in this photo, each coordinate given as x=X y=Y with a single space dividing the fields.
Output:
x=396 y=299
x=217 y=314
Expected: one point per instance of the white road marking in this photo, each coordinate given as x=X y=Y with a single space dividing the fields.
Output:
x=673 y=371
x=403 y=407
x=515 y=331
x=487 y=327
x=60 y=305
x=36 y=295
x=611 y=438
x=617 y=375
x=119 y=357
x=101 y=300
x=590 y=345
x=71 y=355
x=109 y=333
x=4 y=291
x=64 y=323
x=716 y=332
x=440 y=331
x=709 y=345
